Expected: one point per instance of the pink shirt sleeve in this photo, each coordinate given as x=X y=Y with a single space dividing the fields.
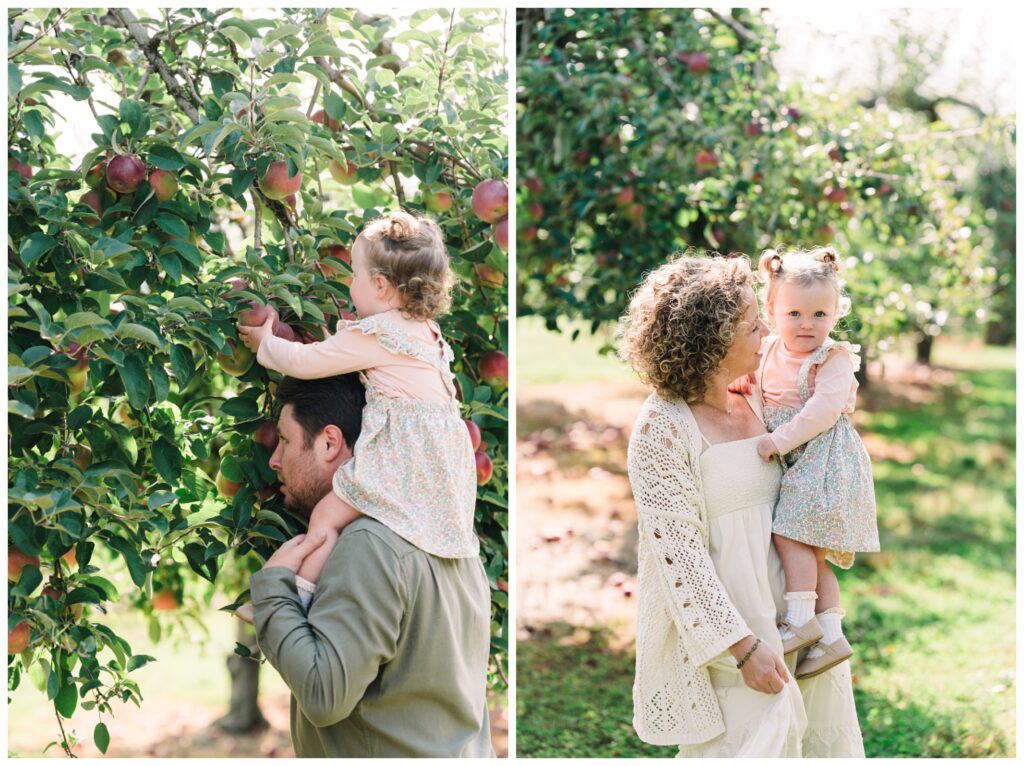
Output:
x=832 y=387
x=348 y=350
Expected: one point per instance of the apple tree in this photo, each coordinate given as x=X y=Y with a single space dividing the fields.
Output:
x=232 y=157
x=642 y=132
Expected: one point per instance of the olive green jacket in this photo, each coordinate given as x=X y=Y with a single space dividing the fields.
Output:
x=391 y=660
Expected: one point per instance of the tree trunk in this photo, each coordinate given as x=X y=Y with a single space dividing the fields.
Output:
x=244 y=711
x=924 y=349
x=1000 y=332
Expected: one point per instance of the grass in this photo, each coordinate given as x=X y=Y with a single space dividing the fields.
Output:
x=931 y=617
x=550 y=357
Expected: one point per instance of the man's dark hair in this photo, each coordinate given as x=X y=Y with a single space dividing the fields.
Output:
x=316 y=404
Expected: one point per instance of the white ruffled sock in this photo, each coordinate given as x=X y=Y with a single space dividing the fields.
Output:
x=799 y=609
x=831 y=621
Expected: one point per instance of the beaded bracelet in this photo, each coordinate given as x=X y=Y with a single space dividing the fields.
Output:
x=746 y=656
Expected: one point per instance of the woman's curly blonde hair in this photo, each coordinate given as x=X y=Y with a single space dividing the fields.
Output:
x=409 y=252
x=682 y=320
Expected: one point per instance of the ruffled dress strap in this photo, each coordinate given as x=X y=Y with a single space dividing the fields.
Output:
x=392 y=338
x=818 y=357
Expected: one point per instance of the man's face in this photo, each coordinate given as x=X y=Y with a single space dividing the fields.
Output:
x=304 y=478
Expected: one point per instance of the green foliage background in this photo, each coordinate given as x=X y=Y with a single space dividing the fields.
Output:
x=214 y=97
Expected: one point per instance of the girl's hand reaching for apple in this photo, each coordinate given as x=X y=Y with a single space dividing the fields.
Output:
x=252 y=337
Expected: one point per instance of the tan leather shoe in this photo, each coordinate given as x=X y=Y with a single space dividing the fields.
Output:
x=835 y=653
x=803 y=636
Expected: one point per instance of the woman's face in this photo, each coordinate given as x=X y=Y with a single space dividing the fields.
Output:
x=744 y=355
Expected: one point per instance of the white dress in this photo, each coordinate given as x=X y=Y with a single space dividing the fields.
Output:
x=812 y=718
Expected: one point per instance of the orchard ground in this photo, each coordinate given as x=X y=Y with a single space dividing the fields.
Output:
x=942 y=443
x=184 y=692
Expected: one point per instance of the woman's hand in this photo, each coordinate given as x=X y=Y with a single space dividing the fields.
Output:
x=252 y=336
x=766 y=448
x=764 y=670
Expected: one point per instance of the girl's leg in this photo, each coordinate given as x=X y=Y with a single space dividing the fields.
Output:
x=801 y=568
x=828 y=585
x=331 y=514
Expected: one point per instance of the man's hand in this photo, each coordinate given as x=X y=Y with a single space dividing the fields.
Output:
x=252 y=336
x=743 y=385
x=294 y=552
x=766 y=448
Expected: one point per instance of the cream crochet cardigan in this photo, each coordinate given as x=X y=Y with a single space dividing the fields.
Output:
x=686 y=619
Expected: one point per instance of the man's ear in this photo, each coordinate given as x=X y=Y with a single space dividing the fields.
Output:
x=334 y=442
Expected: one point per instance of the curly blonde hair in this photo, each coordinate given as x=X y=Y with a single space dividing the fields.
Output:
x=682 y=321
x=409 y=252
x=803 y=268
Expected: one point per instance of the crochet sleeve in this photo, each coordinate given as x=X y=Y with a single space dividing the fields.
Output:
x=668 y=505
x=832 y=386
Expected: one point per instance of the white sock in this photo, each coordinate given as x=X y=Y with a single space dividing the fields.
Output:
x=799 y=609
x=832 y=629
x=831 y=626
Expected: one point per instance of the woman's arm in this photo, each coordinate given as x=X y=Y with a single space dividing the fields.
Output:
x=832 y=387
x=667 y=503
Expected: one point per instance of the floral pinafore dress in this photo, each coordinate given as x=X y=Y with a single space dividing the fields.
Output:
x=827 y=495
x=412 y=467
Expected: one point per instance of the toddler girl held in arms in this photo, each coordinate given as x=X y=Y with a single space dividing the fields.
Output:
x=826 y=507
x=412 y=467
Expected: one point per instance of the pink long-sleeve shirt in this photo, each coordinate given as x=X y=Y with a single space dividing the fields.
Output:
x=832 y=383
x=350 y=350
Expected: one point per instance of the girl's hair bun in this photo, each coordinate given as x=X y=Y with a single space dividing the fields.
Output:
x=401 y=226
x=828 y=255
x=770 y=264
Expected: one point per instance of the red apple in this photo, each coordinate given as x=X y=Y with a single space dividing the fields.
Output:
x=257 y=314
x=321 y=118
x=606 y=258
x=71 y=557
x=490 y=200
x=97 y=175
x=437 y=202
x=792 y=112
x=625 y=197
x=17 y=638
x=92 y=199
x=266 y=434
x=475 y=435
x=21 y=168
x=82 y=456
x=287 y=332
x=124 y=173
x=17 y=561
x=752 y=129
x=502 y=585
x=488 y=276
x=484 y=467
x=225 y=486
x=123 y=415
x=501 y=234
x=334 y=251
x=269 y=491
x=165 y=601
x=276 y=183
x=835 y=194
x=77 y=380
x=494 y=368
x=535 y=210
x=635 y=212
x=346 y=174
x=165 y=184
x=699 y=63
x=528 y=234
x=235 y=284
x=706 y=161
x=581 y=158
x=533 y=185
x=238 y=361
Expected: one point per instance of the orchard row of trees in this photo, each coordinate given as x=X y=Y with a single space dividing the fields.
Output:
x=234 y=157
x=641 y=132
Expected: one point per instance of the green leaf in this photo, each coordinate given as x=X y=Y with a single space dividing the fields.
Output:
x=131 y=113
x=35 y=246
x=240 y=408
x=383 y=77
x=15 y=407
x=165 y=158
x=84 y=319
x=419 y=36
x=182 y=364
x=167 y=459
x=226 y=131
x=172 y=225
x=101 y=737
x=201 y=130
x=112 y=247
x=14 y=81
x=293 y=301
x=323 y=49
x=136 y=381
x=279 y=31
x=67 y=700
x=335 y=106
x=138 y=332
x=136 y=567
